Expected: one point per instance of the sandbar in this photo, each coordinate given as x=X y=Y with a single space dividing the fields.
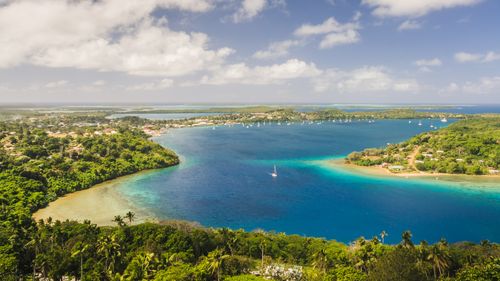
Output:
x=99 y=204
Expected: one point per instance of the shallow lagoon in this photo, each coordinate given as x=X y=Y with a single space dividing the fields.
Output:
x=224 y=181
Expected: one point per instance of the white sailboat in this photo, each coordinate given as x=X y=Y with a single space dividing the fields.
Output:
x=444 y=120
x=274 y=174
x=420 y=123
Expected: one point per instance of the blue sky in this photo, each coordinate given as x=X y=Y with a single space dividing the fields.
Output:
x=250 y=51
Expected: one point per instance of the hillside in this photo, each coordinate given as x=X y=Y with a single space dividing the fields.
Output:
x=469 y=146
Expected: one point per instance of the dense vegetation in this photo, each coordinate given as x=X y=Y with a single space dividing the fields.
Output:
x=44 y=157
x=470 y=146
x=180 y=251
x=37 y=166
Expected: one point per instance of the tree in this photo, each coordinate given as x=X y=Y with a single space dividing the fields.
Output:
x=79 y=249
x=321 y=261
x=229 y=239
x=383 y=234
x=142 y=267
x=109 y=247
x=489 y=270
x=214 y=262
x=119 y=220
x=35 y=243
x=439 y=258
x=130 y=216
x=406 y=239
x=397 y=265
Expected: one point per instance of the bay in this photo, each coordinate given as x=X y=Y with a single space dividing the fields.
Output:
x=224 y=181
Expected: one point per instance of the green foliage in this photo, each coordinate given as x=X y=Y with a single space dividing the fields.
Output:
x=482 y=272
x=245 y=278
x=469 y=146
x=37 y=167
x=400 y=264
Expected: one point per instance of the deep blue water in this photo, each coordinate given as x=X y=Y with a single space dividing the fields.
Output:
x=224 y=181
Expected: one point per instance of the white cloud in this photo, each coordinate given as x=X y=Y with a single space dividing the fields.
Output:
x=409 y=25
x=464 y=57
x=342 y=38
x=110 y=35
x=152 y=86
x=56 y=84
x=336 y=33
x=276 y=49
x=249 y=9
x=361 y=80
x=328 y=26
x=413 y=8
x=429 y=62
x=150 y=50
x=484 y=85
x=491 y=56
x=467 y=57
x=261 y=75
x=99 y=83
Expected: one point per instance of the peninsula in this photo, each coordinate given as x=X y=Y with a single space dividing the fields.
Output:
x=469 y=146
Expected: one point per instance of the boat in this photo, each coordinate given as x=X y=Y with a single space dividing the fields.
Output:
x=420 y=123
x=274 y=174
x=444 y=120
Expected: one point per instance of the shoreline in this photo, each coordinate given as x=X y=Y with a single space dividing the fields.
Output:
x=377 y=171
x=99 y=204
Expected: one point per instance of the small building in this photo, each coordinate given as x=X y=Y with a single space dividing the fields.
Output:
x=396 y=167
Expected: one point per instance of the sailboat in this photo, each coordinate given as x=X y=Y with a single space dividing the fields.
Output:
x=274 y=174
x=420 y=123
x=444 y=120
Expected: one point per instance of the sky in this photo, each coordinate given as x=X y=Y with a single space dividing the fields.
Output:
x=250 y=51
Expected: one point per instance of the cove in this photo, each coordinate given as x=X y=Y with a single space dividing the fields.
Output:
x=224 y=181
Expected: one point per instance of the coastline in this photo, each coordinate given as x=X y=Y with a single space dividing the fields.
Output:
x=99 y=204
x=377 y=171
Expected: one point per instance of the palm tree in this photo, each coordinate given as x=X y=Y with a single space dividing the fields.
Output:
x=406 y=242
x=110 y=249
x=439 y=258
x=36 y=243
x=485 y=243
x=422 y=254
x=79 y=250
x=383 y=234
x=214 y=260
x=321 y=260
x=119 y=220
x=130 y=216
x=229 y=239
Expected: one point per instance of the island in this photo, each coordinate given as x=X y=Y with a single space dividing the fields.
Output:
x=470 y=146
x=45 y=155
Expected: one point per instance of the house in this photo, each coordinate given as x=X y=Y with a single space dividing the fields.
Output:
x=396 y=167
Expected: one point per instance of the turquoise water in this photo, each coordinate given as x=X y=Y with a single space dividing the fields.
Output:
x=224 y=181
